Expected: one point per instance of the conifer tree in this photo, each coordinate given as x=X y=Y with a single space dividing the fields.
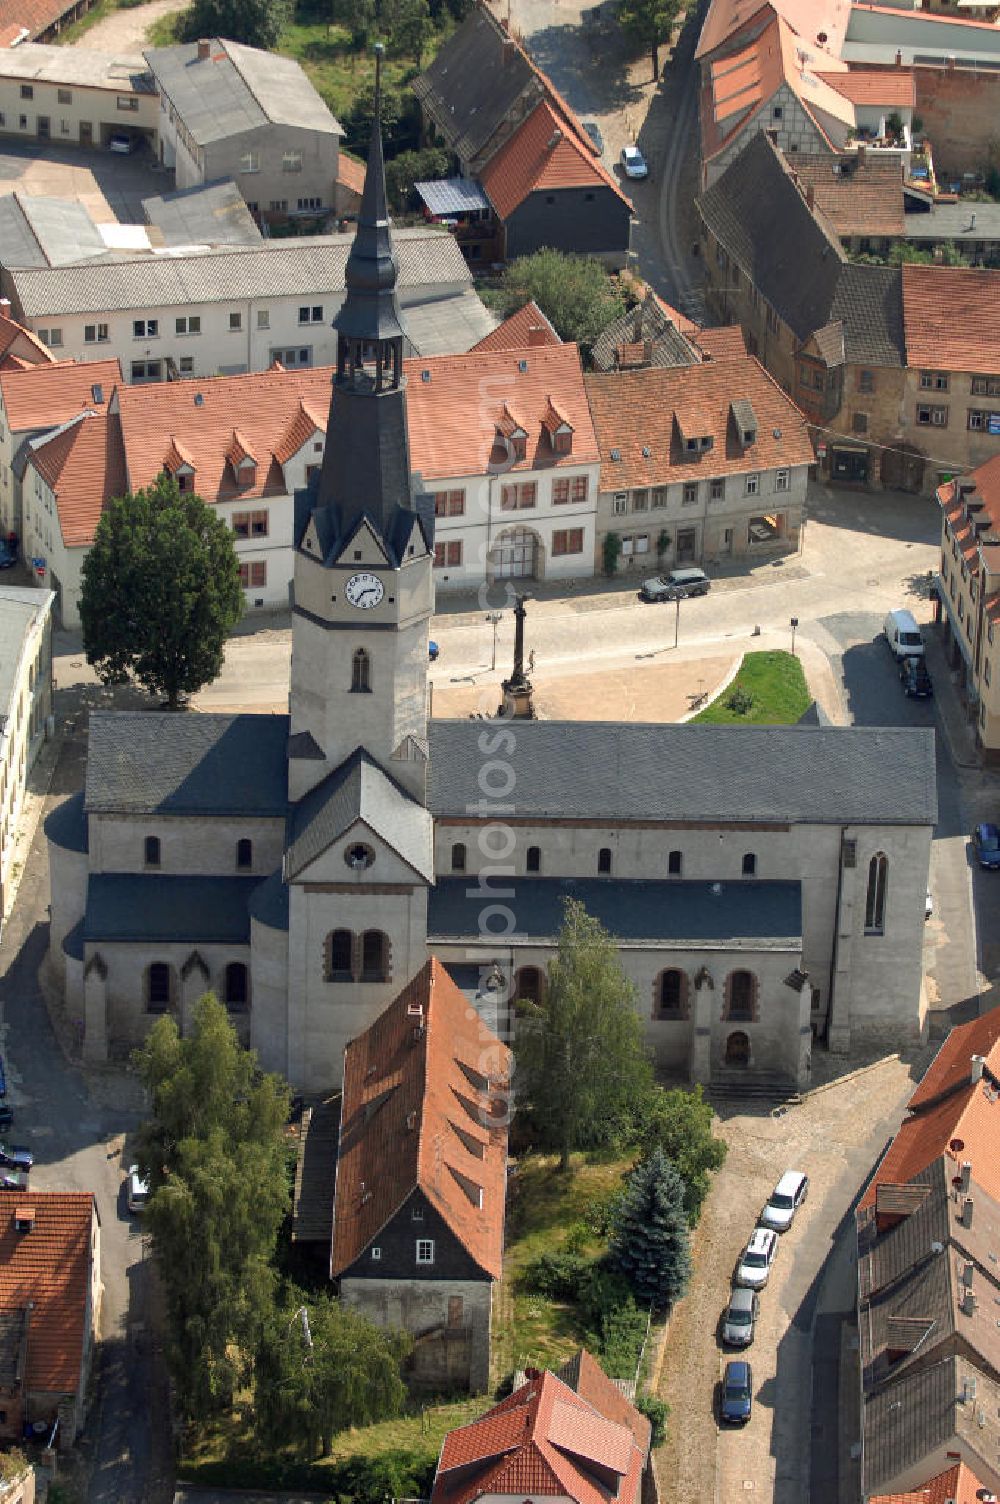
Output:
x=650 y=1244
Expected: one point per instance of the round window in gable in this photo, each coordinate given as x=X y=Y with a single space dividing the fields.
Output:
x=359 y=856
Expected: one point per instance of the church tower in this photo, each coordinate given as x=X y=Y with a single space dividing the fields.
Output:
x=363 y=577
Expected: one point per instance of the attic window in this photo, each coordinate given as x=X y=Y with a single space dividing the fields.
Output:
x=97 y=393
x=24 y=1218
x=616 y=455
x=199 y=400
x=425 y=375
x=522 y=366
x=376 y=1253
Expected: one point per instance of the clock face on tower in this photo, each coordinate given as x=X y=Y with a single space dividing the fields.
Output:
x=364 y=591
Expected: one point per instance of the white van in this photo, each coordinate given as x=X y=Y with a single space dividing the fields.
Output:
x=786 y=1198
x=903 y=635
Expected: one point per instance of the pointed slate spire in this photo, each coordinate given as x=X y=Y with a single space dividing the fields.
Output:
x=370 y=310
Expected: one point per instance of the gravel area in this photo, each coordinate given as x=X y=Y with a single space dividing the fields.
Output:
x=126 y=30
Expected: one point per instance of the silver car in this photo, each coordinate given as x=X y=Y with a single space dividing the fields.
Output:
x=757 y=1258
x=678 y=583
x=741 y=1317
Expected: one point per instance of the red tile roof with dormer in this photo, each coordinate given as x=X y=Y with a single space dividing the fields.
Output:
x=545 y=152
x=542 y=1439
x=424 y=1108
x=893 y=88
x=950 y=1069
x=951 y=316
x=959 y=1485
x=528 y=326
x=453 y=415
x=20 y=348
x=83 y=463
x=51 y=1266
x=274 y=412
x=46 y=395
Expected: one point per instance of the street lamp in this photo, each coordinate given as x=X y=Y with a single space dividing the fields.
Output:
x=677 y=617
x=794 y=624
x=494 y=618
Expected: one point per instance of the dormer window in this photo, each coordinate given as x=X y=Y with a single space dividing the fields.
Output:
x=519 y=446
x=185 y=479
x=246 y=474
x=562 y=441
x=744 y=421
x=558 y=428
x=511 y=436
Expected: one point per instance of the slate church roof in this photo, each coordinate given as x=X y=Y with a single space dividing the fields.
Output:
x=359 y=790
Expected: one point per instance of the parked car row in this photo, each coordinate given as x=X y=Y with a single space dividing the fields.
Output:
x=752 y=1273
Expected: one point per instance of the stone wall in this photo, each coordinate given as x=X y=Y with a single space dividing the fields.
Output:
x=959 y=108
x=448 y=1337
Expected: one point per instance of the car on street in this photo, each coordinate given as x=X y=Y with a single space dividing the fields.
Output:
x=6 y=1115
x=136 y=1190
x=433 y=650
x=741 y=1315
x=8 y=556
x=594 y=132
x=785 y=1200
x=928 y=905
x=754 y=1267
x=986 y=844
x=122 y=142
x=3 y=1078
x=16 y=1157
x=915 y=679
x=633 y=162
x=737 y=1392
x=675 y=585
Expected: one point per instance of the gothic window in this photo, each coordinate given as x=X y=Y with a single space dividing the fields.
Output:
x=152 y=851
x=878 y=876
x=741 y=995
x=359 y=857
x=244 y=853
x=158 y=987
x=529 y=985
x=374 y=956
x=339 y=956
x=237 y=987
x=749 y=864
x=670 y=996
x=675 y=864
x=533 y=861
x=604 y=860
x=361 y=673
x=458 y=857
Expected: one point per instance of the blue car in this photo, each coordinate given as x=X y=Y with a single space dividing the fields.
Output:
x=16 y=1157
x=8 y=557
x=737 y=1392
x=986 y=844
x=3 y=1079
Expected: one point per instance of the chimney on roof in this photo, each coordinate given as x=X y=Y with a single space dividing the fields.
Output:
x=976 y=1069
x=862 y=154
x=967 y=1212
x=966 y=1176
x=24 y=1218
x=968 y=1272
x=969 y=1303
x=5 y=308
x=536 y=334
x=204 y=49
x=810 y=195
x=554 y=139
x=899 y=59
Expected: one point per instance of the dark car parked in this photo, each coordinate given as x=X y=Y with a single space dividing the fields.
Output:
x=737 y=1392
x=16 y=1157
x=915 y=679
x=986 y=844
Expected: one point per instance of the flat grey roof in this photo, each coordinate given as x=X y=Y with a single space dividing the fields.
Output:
x=814 y=775
x=237 y=89
x=209 y=214
x=147 y=762
x=139 y=907
x=448 y=326
x=309 y=265
x=20 y=609
x=452 y=195
x=125 y=72
x=961 y=222
x=763 y=914
x=46 y=232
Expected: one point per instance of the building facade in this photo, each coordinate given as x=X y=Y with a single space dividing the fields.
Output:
x=967 y=597
x=25 y=707
x=69 y=95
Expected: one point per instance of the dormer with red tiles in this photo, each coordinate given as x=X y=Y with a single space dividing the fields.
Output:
x=558 y=428
x=178 y=464
x=243 y=461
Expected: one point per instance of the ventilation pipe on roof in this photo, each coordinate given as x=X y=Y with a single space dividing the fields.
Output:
x=966 y=1176
x=204 y=49
x=899 y=58
x=810 y=196
x=554 y=139
x=5 y=308
x=976 y=1068
x=967 y=1205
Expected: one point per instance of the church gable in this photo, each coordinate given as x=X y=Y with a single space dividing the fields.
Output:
x=363 y=546
x=360 y=854
x=358 y=792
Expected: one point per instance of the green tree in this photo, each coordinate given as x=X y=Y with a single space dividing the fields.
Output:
x=161 y=591
x=650 y=1243
x=680 y=1123
x=409 y=26
x=413 y=167
x=647 y=23
x=611 y=551
x=321 y=1368
x=582 y=1070
x=360 y=17
x=256 y=23
x=574 y=292
x=214 y=1152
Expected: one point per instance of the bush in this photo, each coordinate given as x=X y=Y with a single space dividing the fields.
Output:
x=612 y=552
x=600 y=1214
x=559 y=1275
x=355 y=1480
x=656 y=1412
x=739 y=701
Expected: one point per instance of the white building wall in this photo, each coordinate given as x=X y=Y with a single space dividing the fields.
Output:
x=188 y=846
x=104 y=110
x=23 y=732
x=793 y=130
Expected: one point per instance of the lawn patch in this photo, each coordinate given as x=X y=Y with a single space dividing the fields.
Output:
x=769 y=690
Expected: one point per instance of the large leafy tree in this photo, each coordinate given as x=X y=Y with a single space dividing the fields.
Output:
x=574 y=292
x=650 y=1244
x=648 y=23
x=213 y=1149
x=161 y=591
x=582 y=1069
x=321 y=1368
x=256 y=23
x=679 y=1122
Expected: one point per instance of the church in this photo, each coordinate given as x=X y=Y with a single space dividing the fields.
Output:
x=765 y=885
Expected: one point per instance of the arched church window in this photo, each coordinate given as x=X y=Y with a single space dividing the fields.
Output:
x=878 y=878
x=340 y=956
x=158 y=987
x=244 y=853
x=358 y=856
x=533 y=862
x=152 y=851
x=741 y=995
x=529 y=985
x=361 y=672
x=749 y=864
x=458 y=857
x=604 y=860
x=237 y=986
x=671 y=994
x=374 y=956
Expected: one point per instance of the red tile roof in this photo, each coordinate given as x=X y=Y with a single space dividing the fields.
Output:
x=83 y=463
x=542 y=1439
x=959 y=1485
x=587 y=1378
x=986 y=480
x=951 y=315
x=452 y=425
x=528 y=326
x=950 y=1069
x=47 y=395
x=859 y=196
x=20 y=348
x=721 y=344
x=635 y=411
x=893 y=87
x=963 y=1126
x=274 y=411
x=726 y=18
x=679 y=320
x=51 y=1266
x=423 y=1086
x=544 y=152
x=351 y=173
